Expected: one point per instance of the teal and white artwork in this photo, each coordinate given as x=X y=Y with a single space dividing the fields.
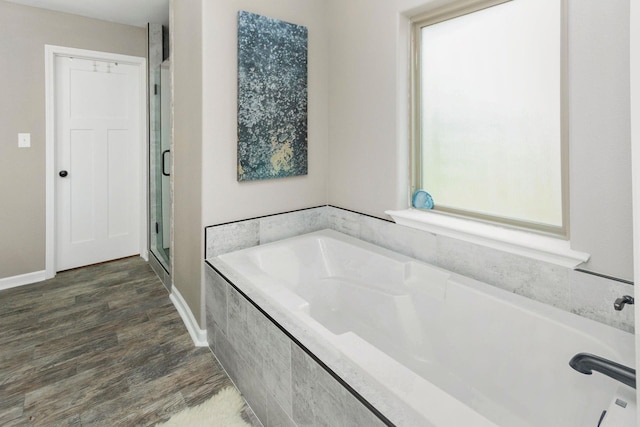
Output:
x=272 y=98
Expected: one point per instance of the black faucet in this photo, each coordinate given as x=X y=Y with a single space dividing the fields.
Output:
x=620 y=302
x=585 y=363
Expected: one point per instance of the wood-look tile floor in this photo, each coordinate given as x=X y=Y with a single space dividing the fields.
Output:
x=100 y=345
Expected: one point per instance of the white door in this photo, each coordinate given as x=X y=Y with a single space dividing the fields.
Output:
x=97 y=158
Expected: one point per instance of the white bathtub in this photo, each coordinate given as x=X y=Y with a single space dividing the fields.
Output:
x=451 y=350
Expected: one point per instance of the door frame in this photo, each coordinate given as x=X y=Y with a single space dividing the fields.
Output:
x=634 y=44
x=50 y=53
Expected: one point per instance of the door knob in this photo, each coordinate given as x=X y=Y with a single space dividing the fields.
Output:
x=63 y=173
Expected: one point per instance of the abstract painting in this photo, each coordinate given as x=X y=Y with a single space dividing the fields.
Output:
x=272 y=98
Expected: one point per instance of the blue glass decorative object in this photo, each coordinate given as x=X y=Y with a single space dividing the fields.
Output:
x=422 y=200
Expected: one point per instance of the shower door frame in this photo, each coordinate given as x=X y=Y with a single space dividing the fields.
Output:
x=634 y=18
x=156 y=131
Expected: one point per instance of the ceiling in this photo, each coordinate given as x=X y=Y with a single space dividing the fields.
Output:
x=130 y=12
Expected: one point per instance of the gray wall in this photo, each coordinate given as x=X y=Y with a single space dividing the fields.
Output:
x=206 y=190
x=600 y=134
x=23 y=33
x=188 y=243
x=224 y=198
x=358 y=122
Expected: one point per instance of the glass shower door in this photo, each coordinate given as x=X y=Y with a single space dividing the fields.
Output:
x=161 y=166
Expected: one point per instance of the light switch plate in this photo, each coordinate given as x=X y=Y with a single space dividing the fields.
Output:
x=24 y=140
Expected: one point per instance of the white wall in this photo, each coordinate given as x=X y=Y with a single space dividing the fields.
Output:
x=224 y=198
x=369 y=131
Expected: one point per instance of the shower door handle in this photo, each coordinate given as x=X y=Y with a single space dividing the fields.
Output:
x=164 y=153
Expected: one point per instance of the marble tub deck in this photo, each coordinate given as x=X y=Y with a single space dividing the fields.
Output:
x=100 y=345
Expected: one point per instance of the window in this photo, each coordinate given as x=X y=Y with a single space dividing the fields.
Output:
x=488 y=124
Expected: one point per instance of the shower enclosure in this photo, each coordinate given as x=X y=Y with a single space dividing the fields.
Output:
x=160 y=153
x=161 y=228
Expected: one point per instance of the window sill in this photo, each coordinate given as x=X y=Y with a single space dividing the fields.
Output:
x=543 y=248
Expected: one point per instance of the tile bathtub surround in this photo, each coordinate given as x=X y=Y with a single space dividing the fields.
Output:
x=580 y=293
x=283 y=385
x=238 y=235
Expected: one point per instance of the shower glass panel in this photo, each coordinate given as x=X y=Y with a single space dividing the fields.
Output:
x=161 y=165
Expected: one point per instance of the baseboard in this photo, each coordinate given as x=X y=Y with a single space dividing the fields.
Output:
x=23 y=279
x=199 y=336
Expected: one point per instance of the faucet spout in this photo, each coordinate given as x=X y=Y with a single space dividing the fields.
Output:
x=620 y=302
x=585 y=363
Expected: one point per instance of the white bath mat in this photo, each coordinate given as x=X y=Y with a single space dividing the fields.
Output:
x=222 y=410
